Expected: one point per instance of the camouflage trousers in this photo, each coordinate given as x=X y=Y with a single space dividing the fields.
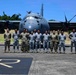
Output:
x=54 y=45
x=24 y=47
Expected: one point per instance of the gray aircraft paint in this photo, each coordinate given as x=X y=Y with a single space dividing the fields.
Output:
x=34 y=21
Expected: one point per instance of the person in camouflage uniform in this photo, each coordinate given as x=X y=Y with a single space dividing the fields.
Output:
x=7 y=37
x=24 y=41
x=57 y=40
x=54 y=42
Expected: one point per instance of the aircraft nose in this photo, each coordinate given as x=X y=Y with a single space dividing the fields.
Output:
x=31 y=26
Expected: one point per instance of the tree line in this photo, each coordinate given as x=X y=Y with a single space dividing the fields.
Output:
x=13 y=17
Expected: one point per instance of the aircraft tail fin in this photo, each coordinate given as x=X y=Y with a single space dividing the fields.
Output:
x=42 y=10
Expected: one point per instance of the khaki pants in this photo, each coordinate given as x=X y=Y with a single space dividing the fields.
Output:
x=54 y=46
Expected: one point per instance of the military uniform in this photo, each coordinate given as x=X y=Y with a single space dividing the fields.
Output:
x=7 y=37
x=54 y=43
x=25 y=43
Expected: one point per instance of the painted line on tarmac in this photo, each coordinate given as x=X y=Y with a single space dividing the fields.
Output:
x=5 y=63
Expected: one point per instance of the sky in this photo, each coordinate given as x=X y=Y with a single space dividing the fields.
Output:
x=53 y=9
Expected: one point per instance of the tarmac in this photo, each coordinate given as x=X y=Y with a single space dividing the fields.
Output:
x=41 y=63
x=37 y=63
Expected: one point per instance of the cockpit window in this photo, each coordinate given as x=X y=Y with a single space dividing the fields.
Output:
x=30 y=17
x=36 y=17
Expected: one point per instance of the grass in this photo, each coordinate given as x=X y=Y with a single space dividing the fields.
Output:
x=1 y=39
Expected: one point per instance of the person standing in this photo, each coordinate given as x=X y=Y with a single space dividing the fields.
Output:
x=46 y=41
x=50 y=38
x=57 y=40
x=34 y=34
x=72 y=36
x=7 y=38
x=54 y=42
x=31 y=41
x=16 y=40
x=38 y=40
x=62 y=39
x=24 y=41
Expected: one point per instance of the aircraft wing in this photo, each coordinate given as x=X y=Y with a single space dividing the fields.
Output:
x=11 y=24
x=55 y=25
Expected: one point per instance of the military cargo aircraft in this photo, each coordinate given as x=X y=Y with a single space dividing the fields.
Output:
x=34 y=21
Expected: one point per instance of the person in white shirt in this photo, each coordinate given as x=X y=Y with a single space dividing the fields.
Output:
x=62 y=39
x=53 y=45
x=31 y=41
x=34 y=33
x=50 y=38
x=38 y=40
x=45 y=40
x=16 y=40
x=72 y=36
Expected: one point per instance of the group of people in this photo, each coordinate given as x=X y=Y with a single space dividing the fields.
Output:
x=35 y=40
